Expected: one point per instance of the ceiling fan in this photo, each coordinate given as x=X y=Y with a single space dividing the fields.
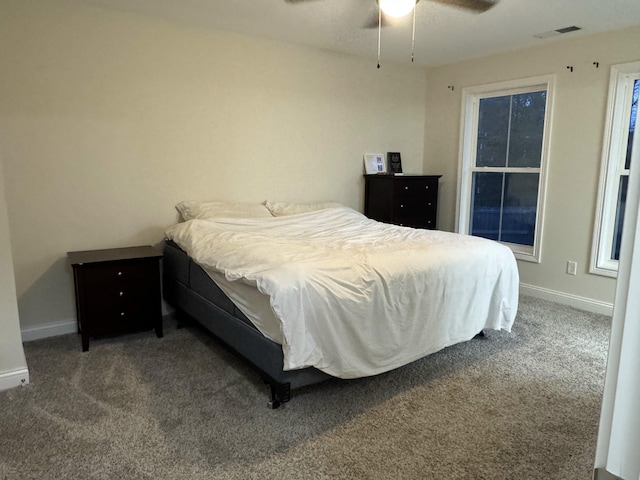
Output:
x=401 y=8
x=378 y=19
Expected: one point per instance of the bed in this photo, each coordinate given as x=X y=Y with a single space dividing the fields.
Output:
x=307 y=293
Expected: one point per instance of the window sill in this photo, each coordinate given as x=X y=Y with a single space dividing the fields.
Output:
x=604 y=272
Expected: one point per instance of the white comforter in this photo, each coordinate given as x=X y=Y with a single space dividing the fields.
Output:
x=355 y=297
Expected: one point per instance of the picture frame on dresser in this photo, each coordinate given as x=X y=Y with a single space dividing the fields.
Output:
x=374 y=164
x=394 y=162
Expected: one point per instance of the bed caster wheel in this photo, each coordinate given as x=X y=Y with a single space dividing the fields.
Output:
x=482 y=334
x=273 y=404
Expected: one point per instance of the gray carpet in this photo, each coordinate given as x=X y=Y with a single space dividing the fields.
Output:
x=523 y=405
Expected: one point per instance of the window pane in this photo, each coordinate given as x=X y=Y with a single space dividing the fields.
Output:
x=527 y=127
x=519 y=211
x=632 y=122
x=504 y=206
x=493 y=130
x=486 y=205
x=617 y=231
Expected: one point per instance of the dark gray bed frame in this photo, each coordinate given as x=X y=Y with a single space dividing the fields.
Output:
x=188 y=289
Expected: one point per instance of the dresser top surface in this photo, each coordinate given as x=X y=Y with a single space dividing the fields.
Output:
x=400 y=177
x=113 y=255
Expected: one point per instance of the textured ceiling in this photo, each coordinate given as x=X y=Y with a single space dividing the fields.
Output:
x=444 y=34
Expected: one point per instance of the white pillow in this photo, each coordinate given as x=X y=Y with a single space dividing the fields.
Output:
x=191 y=210
x=280 y=209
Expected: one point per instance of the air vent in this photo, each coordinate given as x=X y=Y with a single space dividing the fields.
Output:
x=559 y=31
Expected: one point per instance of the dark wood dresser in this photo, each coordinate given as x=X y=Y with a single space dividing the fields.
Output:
x=406 y=200
x=117 y=291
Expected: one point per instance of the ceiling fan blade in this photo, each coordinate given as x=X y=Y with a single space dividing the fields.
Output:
x=473 y=5
x=372 y=21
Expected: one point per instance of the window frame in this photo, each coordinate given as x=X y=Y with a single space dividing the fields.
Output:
x=468 y=148
x=621 y=78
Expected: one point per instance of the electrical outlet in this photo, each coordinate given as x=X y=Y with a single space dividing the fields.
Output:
x=572 y=267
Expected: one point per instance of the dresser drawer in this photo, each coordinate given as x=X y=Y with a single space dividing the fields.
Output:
x=415 y=221
x=418 y=207
x=416 y=189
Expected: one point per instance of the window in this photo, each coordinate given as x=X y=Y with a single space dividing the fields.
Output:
x=502 y=173
x=616 y=160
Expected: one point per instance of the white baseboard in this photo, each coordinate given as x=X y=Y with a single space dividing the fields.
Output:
x=581 y=303
x=602 y=474
x=50 y=330
x=14 y=379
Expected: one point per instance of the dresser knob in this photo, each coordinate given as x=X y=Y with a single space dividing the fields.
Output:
x=121 y=293
x=401 y=206
x=429 y=203
x=122 y=314
x=406 y=188
x=119 y=274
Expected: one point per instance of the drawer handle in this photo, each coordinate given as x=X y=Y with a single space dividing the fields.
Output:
x=121 y=293
x=429 y=203
x=122 y=314
x=119 y=274
x=401 y=206
x=406 y=188
x=427 y=187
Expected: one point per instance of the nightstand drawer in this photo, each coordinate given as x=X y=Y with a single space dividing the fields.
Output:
x=129 y=275
x=114 y=306
x=120 y=283
x=116 y=319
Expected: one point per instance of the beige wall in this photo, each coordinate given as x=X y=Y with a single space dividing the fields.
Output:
x=576 y=145
x=108 y=119
x=13 y=366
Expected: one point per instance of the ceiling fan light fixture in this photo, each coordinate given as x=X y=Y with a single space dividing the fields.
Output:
x=397 y=8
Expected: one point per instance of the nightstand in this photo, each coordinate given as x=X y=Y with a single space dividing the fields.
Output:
x=117 y=291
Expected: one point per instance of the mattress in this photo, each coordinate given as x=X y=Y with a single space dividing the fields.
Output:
x=350 y=296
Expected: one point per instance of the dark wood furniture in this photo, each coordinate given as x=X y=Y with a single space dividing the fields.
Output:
x=406 y=200
x=117 y=291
